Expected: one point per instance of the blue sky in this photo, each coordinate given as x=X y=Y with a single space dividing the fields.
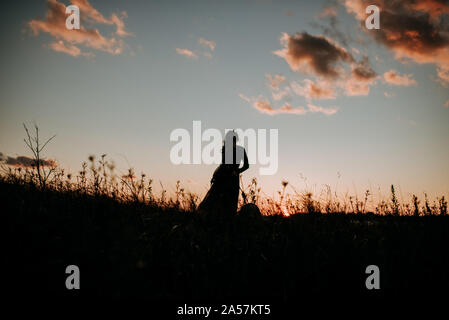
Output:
x=126 y=105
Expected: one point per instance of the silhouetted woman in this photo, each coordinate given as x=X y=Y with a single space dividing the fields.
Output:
x=223 y=195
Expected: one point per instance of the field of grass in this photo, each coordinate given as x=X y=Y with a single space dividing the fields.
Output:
x=128 y=243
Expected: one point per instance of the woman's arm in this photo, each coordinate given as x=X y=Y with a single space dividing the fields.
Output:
x=245 y=163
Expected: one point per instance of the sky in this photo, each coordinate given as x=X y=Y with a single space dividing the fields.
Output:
x=355 y=109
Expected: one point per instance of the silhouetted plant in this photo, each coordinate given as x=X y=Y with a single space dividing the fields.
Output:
x=310 y=205
x=367 y=194
x=37 y=146
x=443 y=206
x=427 y=209
x=394 y=202
x=415 y=205
x=253 y=193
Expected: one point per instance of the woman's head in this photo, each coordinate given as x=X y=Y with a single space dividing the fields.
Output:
x=231 y=138
x=229 y=145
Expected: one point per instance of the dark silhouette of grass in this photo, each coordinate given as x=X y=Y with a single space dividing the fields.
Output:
x=129 y=243
x=159 y=251
x=98 y=178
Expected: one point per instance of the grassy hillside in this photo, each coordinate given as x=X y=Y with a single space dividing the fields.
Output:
x=134 y=249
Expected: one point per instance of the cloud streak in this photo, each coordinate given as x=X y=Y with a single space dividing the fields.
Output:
x=68 y=41
x=394 y=78
x=207 y=43
x=69 y=49
x=209 y=47
x=95 y=16
x=186 y=52
x=26 y=162
x=275 y=80
x=264 y=106
x=314 y=90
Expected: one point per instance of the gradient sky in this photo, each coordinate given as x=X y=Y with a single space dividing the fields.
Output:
x=126 y=104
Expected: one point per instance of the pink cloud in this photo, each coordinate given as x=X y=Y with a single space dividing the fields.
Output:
x=92 y=14
x=353 y=87
x=317 y=55
x=325 y=111
x=394 y=78
x=207 y=55
x=55 y=25
x=314 y=90
x=358 y=82
x=434 y=8
x=195 y=54
x=413 y=30
x=281 y=94
x=71 y=50
x=355 y=83
x=275 y=80
x=325 y=59
x=443 y=75
x=120 y=24
x=328 y=12
x=207 y=43
x=264 y=106
x=186 y=52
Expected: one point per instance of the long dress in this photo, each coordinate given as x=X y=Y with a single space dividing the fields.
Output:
x=223 y=195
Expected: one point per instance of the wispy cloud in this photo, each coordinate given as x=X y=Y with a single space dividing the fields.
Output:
x=207 y=55
x=281 y=94
x=264 y=106
x=443 y=76
x=393 y=77
x=204 y=48
x=329 y=11
x=274 y=83
x=68 y=41
x=319 y=109
x=92 y=14
x=275 y=80
x=72 y=50
x=207 y=43
x=314 y=89
x=186 y=52
x=353 y=87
